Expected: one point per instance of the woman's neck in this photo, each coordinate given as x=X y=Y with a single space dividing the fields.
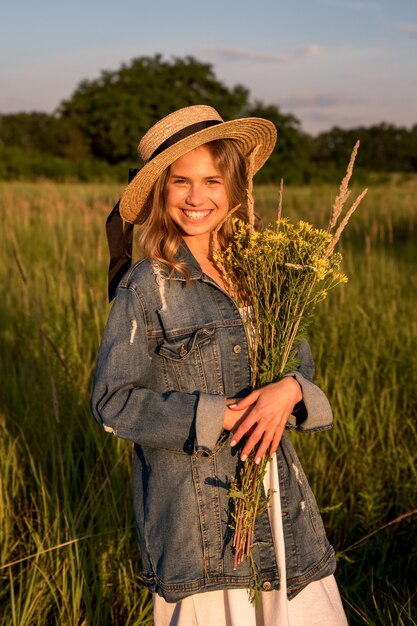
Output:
x=200 y=249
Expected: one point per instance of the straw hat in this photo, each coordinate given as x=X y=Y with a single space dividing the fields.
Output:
x=183 y=131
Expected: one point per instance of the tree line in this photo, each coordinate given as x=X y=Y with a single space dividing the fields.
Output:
x=95 y=132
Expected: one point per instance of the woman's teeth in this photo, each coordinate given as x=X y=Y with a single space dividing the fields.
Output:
x=196 y=215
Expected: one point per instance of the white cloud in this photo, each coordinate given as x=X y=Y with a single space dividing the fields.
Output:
x=358 y=5
x=409 y=29
x=240 y=54
x=313 y=50
x=310 y=100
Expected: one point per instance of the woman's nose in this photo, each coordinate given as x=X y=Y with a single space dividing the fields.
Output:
x=195 y=195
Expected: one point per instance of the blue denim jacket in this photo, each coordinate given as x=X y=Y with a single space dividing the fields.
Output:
x=170 y=356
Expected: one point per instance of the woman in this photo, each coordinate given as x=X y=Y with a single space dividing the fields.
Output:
x=173 y=376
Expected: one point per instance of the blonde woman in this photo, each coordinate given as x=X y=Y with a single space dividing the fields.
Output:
x=173 y=377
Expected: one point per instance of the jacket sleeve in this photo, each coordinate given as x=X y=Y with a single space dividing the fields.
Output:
x=124 y=401
x=314 y=412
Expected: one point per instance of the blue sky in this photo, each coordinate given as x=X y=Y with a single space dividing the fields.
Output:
x=330 y=62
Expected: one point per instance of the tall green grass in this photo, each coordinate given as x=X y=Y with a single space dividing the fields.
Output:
x=68 y=550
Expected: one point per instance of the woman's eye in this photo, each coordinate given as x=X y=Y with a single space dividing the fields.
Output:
x=180 y=181
x=213 y=181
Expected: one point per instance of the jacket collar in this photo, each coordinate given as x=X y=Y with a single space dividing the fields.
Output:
x=184 y=255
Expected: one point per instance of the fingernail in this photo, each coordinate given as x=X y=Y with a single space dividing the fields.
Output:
x=243 y=457
x=258 y=460
x=273 y=455
x=233 y=442
x=232 y=406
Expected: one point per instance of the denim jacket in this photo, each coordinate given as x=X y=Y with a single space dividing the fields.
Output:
x=170 y=356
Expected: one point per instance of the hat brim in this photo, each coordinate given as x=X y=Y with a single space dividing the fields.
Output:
x=248 y=132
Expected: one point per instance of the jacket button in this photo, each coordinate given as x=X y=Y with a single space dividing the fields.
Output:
x=237 y=349
x=266 y=586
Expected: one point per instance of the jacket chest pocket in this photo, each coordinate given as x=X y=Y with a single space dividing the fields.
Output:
x=192 y=362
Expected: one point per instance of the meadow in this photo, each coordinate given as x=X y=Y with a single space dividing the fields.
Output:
x=68 y=550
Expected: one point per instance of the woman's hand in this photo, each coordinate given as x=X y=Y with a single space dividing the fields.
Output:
x=263 y=414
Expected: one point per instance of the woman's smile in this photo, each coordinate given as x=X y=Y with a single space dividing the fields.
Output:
x=196 y=215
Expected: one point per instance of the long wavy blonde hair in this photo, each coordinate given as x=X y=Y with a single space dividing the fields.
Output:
x=159 y=237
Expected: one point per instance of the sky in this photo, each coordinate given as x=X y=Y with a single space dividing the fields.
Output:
x=329 y=62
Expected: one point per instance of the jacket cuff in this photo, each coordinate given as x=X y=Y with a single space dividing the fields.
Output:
x=318 y=413
x=209 y=422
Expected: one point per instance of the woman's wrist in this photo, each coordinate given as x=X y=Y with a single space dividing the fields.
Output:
x=294 y=385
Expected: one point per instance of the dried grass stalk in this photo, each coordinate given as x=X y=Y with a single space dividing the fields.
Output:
x=214 y=239
x=281 y=194
x=344 y=191
x=344 y=222
x=249 y=190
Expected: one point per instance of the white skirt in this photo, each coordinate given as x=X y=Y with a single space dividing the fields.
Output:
x=318 y=604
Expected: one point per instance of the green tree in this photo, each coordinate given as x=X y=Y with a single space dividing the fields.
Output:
x=113 y=111
x=41 y=132
x=291 y=157
x=384 y=148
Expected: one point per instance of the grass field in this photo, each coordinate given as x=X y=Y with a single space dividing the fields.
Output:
x=68 y=551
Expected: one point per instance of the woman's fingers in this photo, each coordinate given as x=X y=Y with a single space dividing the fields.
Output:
x=267 y=438
x=261 y=418
x=277 y=438
x=245 y=403
x=263 y=446
x=267 y=412
x=244 y=427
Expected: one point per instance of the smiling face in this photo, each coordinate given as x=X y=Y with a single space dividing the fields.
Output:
x=196 y=197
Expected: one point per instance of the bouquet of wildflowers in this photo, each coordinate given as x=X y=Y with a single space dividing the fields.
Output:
x=277 y=276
